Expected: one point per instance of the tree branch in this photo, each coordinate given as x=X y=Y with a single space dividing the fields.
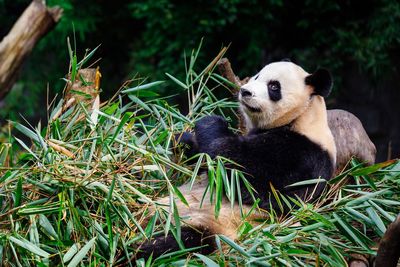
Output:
x=34 y=23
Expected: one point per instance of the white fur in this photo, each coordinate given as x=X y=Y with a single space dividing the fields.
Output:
x=297 y=105
x=295 y=96
x=306 y=113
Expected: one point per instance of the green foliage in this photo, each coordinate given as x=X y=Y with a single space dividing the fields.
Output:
x=172 y=26
x=311 y=32
x=79 y=195
x=150 y=37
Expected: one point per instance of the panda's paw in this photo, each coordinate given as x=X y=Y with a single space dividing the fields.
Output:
x=185 y=138
x=211 y=123
x=189 y=143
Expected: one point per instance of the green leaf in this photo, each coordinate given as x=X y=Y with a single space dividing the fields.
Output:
x=287 y=238
x=27 y=148
x=177 y=221
x=74 y=68
x=351 y=232
x=233 y=245
x=372 y=168
x=87 y=57
x=4 y=152
x=207 y=261
x=178 y=82
x=47 y=227
x=308 y=182
x=29 y=133
x=180 y=195
x=70 y=253
x=366 y=197
x=18 y=193
x=82 y=253
x=22 y=242
x=142 y=87
x=377 y=220
x=136 y=100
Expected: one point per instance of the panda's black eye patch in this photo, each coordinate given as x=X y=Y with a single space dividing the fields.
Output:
x=274 y=90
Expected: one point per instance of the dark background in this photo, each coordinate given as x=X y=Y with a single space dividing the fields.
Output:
x=359 y=41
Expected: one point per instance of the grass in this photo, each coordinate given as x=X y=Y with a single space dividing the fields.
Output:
x=78 y=194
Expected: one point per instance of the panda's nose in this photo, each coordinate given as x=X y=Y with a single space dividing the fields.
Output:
x=245 y=93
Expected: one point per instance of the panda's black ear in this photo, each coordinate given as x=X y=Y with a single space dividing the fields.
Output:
x=322 y=82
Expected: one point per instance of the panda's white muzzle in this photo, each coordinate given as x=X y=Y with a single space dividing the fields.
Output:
x=246 y=99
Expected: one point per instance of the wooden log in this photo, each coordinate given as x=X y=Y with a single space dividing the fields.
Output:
x=34 y=23
x=225 y=68
x=84 y=89
x=348 y=132
x=351 y=139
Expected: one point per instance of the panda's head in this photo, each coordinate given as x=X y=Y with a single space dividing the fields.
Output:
x=280 y=93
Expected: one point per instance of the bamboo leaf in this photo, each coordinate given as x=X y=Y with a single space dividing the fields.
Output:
x=180 y=196
x=372 y=168
x=79 y=256
x=139 y=102
x=47 y=227
x=22 y=242
x=207 y=261
x=4 y=152
x=142 y=87
x=74 y=68
x=377 y=220
x=29 y=133
x=351 y=232
x=27 y=148
x=308 y=182
x=178 y=82
x=87 y=57
x=233 y=245
x=70 y=253
x=18 y=193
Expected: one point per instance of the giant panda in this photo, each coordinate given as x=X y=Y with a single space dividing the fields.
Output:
x=289 y=141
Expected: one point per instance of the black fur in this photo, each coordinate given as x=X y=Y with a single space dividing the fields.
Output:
x=278 y=156
x=245 y=93
x=274 y=91
x=191 y=148
x=322 y=82
x=191 y=238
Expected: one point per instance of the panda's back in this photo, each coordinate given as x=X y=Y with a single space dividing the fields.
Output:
x=282 y=157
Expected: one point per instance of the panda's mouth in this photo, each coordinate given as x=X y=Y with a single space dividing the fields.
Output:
x=251 y=109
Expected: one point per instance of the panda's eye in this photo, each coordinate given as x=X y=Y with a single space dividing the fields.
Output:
x=274 y=85
x=274 y=90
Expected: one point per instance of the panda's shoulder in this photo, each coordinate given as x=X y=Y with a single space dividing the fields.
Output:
x=282 y=137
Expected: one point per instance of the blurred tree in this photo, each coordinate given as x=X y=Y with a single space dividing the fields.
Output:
x=149 y=37
x=49 y=60
x=311 y=32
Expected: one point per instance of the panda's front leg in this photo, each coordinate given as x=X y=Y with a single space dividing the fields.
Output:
x=209 y=131
x=210 y=128
x=188 y=141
